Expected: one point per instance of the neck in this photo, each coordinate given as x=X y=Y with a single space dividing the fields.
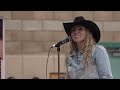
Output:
x=80 y=47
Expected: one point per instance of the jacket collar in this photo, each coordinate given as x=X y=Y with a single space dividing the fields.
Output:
x=74 y=53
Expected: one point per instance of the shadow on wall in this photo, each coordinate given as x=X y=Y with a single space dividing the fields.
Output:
x=15 y=78
x=10 y=78
x=35 y=78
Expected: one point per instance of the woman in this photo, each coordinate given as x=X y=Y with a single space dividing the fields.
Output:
x=86 y=59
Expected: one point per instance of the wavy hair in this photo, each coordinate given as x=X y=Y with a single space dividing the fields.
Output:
x=86 y=48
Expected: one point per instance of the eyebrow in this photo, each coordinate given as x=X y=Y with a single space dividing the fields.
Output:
x=77 y=27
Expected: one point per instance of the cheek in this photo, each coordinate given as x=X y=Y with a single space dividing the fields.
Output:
x=84 y=34
x=72 y=35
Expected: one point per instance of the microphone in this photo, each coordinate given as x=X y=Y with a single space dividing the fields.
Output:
x=67 y=39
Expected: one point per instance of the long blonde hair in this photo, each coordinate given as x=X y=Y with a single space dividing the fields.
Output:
x=87 y=49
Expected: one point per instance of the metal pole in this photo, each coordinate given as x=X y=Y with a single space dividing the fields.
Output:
x=58 y=49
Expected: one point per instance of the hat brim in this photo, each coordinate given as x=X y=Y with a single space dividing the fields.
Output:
x=94 y=29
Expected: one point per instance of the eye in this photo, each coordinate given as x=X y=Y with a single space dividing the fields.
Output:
x=80 y=28
x=73 y=30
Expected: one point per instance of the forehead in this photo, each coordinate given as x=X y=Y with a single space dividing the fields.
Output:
x=78 y=26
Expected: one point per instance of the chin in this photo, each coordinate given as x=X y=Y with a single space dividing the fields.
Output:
x=78 y=40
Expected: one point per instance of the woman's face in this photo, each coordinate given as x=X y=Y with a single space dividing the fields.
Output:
x=78 y=33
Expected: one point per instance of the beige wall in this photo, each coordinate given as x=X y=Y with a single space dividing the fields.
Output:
x=29 y=35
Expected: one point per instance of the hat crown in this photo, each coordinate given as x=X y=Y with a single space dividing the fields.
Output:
x=90 y=25
x=78 y=19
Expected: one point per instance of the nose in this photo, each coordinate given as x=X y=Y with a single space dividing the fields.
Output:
x=76 y=31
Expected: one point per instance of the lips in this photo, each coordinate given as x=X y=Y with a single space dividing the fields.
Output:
x=77 y=36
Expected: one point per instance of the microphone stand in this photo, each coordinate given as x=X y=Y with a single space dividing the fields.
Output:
x=58 y=49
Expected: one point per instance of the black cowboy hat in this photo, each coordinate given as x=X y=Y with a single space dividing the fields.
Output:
x=94 y=29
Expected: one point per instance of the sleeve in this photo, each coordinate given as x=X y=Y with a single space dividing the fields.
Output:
x=103 y=63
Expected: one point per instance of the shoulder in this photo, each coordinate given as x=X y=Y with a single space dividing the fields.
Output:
x=100 y=53
x=100 y=48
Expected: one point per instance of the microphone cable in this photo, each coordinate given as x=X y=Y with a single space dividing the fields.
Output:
x=47 y=61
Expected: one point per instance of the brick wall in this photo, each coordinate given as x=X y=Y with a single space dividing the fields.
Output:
x=29 y=35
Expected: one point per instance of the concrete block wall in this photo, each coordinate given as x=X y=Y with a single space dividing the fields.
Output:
x=29 y=35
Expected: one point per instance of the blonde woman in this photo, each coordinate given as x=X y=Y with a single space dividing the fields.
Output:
x=86 y=59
